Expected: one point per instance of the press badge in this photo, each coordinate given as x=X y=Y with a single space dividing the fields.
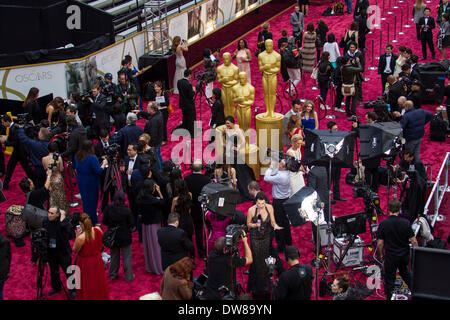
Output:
x=52 y=243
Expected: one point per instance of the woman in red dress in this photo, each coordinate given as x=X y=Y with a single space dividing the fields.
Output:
x=88 y=245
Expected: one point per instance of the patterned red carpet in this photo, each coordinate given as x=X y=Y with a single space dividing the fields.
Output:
x=22 y=282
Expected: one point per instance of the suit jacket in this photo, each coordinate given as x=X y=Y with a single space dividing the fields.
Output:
x=76 y=139
x=416 y=98
x=295 y=20
x=98 y=108
x=415 y=72
x=441 y=11
x=360 y=7
x=195 y=183
x=186 y=94
x=383 y=61
x=66 y=233
x=126 y=136
x=174 y=244
x=99 y=151
x=154 y=127
x=126 y=161
x=431 y=25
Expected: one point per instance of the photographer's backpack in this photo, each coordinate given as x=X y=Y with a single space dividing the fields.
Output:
x=438 y=128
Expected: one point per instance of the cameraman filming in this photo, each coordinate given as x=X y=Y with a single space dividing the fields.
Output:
x=221 y=268
x=59 y=231
x=111 y=91
x=295 y=283
x=370 y=165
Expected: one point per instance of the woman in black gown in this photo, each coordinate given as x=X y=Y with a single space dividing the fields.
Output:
x=260 y=223
x=234 y=143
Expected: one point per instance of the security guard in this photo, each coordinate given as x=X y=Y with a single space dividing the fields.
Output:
x=295 y=283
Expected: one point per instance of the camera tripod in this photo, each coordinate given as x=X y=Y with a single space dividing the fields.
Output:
x=41 y=274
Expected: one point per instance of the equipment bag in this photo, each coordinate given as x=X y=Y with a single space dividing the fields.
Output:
x=438 y=128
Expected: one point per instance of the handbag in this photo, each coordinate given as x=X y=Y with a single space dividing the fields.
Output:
x=170 y=108
x=109 y=237
x=314 y=74
x=347 y=89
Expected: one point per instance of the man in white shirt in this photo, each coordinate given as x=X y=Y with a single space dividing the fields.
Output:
x=386 y=65
x=279 y=177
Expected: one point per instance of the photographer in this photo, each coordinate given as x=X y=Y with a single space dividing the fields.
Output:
x=100 y=148
x=350 y=74
x=36 y=197
x=72 y=111
x=154 y=127
x=210 y=62
x=77 y=135
x=19 y=153
x=111 y=92
x=186 y=101
x=295 y=283
x=371 y=165
x=59 y=231
x=415 y=193
x=38 y=150
x=97 y=110
x=127 y=93
x=221 y=268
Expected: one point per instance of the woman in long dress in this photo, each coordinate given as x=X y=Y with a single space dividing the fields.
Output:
x=235 y=141
x=55 y=163
x=182 y=204
x=178 y=47
x=88 y=178
x=243 y=58
x=309 y=48
x=260 y=221
x=88 y=244
x=297 y=181
x=400 y=60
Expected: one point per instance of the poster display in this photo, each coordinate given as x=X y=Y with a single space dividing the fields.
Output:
x=194 y=23
x=239 y=7
x=211 y=9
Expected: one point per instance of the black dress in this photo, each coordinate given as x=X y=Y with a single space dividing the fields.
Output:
x=259 y=279
x=244 y=174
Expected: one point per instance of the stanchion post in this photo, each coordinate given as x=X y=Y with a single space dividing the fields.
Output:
x=381 y=41
x=407 y=25
x=383 y=10
x=389 y=5
x=395 y=27
x=373 y=60
x=388 y=33
x=401 y=23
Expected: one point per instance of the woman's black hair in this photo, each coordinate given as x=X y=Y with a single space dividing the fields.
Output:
x=52 y=146
x=147 y=188
x=206 y=53
x=217 y=93
x=331 y=38
x=245 y=44
x=230 y=118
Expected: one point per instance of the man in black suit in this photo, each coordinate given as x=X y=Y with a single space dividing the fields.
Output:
x=174 y=242
x=195 y=183
x=415 y=95
x=99 y=148
x=427 y=24
x=187 y=104
x=154 y=127
x=128 y=134
x=386 y=65
x=77 y=135
x=19 y=154
x=415 y=75
x=98 y=111
x=130 y=163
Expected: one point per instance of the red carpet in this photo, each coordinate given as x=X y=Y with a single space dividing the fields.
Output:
x=22 y=281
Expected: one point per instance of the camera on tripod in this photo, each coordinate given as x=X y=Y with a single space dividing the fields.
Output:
x=112 y=150
x=292 y=164
x=232 y=237
x=22 y=118
x=39 y=244
x=354 y=119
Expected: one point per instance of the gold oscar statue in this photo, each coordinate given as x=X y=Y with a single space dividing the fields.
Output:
x=244 y=97
x=227 y=75
x=269 y=62
x=269 y=125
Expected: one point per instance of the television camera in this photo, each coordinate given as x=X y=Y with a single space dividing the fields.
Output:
x=234 y=233
x=292 y=164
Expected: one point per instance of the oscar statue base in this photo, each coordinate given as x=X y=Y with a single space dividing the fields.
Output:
x=269 y=132
x=250 y=152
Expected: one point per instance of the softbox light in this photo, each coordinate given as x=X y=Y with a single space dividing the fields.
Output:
x=220 y=199
x=379 y=138
x=304 y=206
x=322 y=145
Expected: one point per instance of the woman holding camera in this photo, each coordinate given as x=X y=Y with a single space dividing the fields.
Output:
x=260 y=221
x=55 y=164
x=297 y=181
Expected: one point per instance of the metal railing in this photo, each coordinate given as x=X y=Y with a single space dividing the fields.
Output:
x=438 y=192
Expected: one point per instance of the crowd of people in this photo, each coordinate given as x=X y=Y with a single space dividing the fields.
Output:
x=123 y=178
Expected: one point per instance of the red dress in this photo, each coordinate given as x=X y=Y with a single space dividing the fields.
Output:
x=93 y=276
